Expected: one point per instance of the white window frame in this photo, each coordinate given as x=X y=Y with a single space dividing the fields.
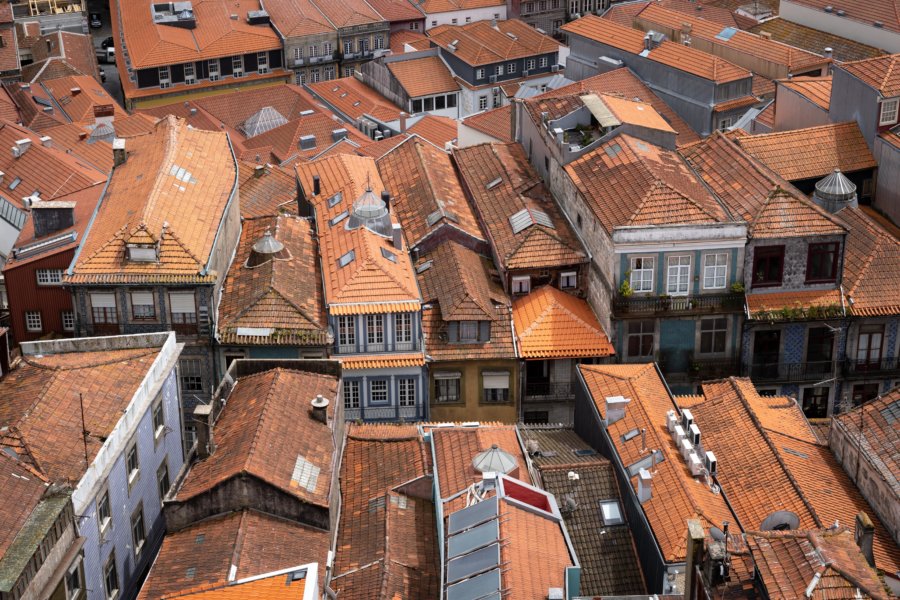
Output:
x=262 y=62
x=641 y=278
x=327 y=49
x=133 y=472
x=351 y=393
x=678 y=275
x=75 y=568
x=521 y=284
x=298 y=52
x=529 y=64
x=68 y=320
x=214 y=69
x=568 y=280
x=347 y=330
x=103 y=523
x=447 y=376
x=482 y=102
x=511 y=67
x=49 y=276
x=406 y=391
x=374 y=330
x=890 y=108
x=386 y=391
x=111 y=594
x=403 y=328
x=159 y=419
x=33 y=321
x=165 y=76
x=479 y=73
x=542 y=62
x=237 y=65
x=712 y=273
x=138 y=545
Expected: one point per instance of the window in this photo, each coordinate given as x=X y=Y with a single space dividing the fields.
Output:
x=190 y=437
x=49 y=276
x=482 y=102
x=298 y=52
x=159 y=419
x=111 y=577
x=374 y=329
x=162 y=480
x=103 y=308
x=189 y=73
x=479 y=73
x=237 y=65
x=642 y=274
x=363 y=44
x=429 y=104
x=815 y=402
x=495 y=386
x=440 y=102
x=725 y=123
x=329 y=73
x=138 y=533
x=68 y=320
x=33 y=320
x=417 y=106
x=262 y=62
x=611 y=512
x=406 y=388
x=468 y=19
x=414 y=25
x=104 y=516
x=868 y=347
x=454 y=21
x=521 y=285
x=640 y=338
x=313 y=50
x=542 y=62
x=767 y=265
x=314 y=75
x=403 y=326
x=434 y=23
x=132 y=465
x=378 y=391
x=568 y=280
x=348 y=71
x=498 y=70
x=529 y=64
x=446 y=386
x=74 y=581
x=213 y=66
x=822 y=262
x=888 y=112
x=348 y=47
x=347 y=331
x=713 y=333
x=183 y=308
x=679 y=278
x=142 y=305
x=164 y=79
x=327 y=49
x=468 y=331
x=191 y=375
x=351 y=394
x=511 y=68
x=379 y=42
x=715 y=270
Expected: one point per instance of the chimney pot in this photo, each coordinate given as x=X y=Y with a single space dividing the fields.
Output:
x=203 y=419
x=319 y=410
x=645 y=485
x=46 y=141
x=119 y=154
x=259 y=171
x=397 y=230
x=317 y=188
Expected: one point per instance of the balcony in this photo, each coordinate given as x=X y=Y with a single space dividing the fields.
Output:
x=669 y=305
x=350 y=55
x=886 y=367
x=388 y=413
x=700 y=369
x=790 y=372
x=546 y=391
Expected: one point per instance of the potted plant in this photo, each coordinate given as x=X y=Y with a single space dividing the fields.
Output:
x=665 y=301
x=737 y=287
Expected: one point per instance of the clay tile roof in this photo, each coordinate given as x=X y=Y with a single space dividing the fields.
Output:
x=353 y=99
x=436 y=129
x=378 y=149
x=201 y=555
x=788 y=563
x=423 y=76
x=683 y=58
x=456 y=447
x=282 y=296
x=439 y=6
x=495 y=123
x=737 y=43
x=61 y=53
x=383 y=361
x=813 y=152
x=553 y=324
x=457 y=279
x=815 y=89
x=881 y=73
x=177 y=176
x=769 y=307
x=624 y=13
x=652 y=186
x=40 y=396
x=426 y=192
x=864 y=11
x=297 y=18
x=399 y=40
x=676 y=495
x=216 y=34
x=531 y=539
x=386 y=543
x=75 y=139
x=871 y=266
x=79 y=107
x=284 y=142
x=348 y=13
x=479 y=43
x=814 y=40
x=23 y=488
x=275 y=587
x=375 y=272
x=783 y=216
x=634 y=112
x=501 y=183
x=266 y=195
x=396 y=10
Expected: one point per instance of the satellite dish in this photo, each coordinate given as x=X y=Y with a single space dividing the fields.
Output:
x=780 y=520
x=717 y=534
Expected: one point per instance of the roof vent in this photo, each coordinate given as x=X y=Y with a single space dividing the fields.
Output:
x=46 y=141
x=319 y=409
x=257 y=17
x=829 y=9
x=307 y=142
x=338 y=134
x=878 y=24
x=234 y=17
x=835 y=192
x=21 y=147
x=307 y=112
x=840 y=13
x=780 y=520
x=265 y=249
x=615 y=408
x=495 y=460
x=371 y=212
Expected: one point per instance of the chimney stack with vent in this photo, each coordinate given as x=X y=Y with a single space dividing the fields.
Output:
x=259 y=171
x=21 y=147
x=319 y=409
x=386 y=198
x=46 y=141
x=119 y=154
x=397 y=232
x=402 y=122
x=50 y=217
x=865 y=534
x=75 y=91
x=615 y=408
x=317 y=187
x=645 y=485
x=203 y=419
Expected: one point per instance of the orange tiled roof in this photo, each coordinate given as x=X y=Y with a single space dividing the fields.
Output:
x=880 y=73
x=624 y=13
x=676 y=495
x=668 y=53
x=265 y=431
x=274 y=587
x=815 y=89
x=202 y=555
x=63 y=50
x=426 y=192
x=282 y=295
x=354 y=99
x=479 y=43
x=782 y=216
x=436 y=129
x=423 y=76
x=297 y=18
x=747 y=101
x=377 y=273
x=813 y=152
x=23 y=488
x=216 y=34
x=284 y=142
x=788 y=563
x=378 y=149
x=79 y=106
x=438 y=6
x=396 y=10
x=529 y=540
x=814 y=40
x=652 y=185
x=174 y=189
x=496 y=123
x=553 y=324
x=399 y=40
x=633 y=112
x=267 y=193
x=383 y=361
x=75 y=139
x=871 y=273
x=500 y=182
x=348 y=13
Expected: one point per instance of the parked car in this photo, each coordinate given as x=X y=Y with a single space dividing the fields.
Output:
x=96 y=21
x=107 y=42
x=106 y=55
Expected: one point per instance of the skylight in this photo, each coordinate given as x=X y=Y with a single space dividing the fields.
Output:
x=424 y=266
x=306 y=474
x=526 y=217
x=15 y=183
x=347 y=258
x=338 y=218
x=726 y=34
x=494 y=183
x=335 y=199
x=611 y=512
x=389 y=255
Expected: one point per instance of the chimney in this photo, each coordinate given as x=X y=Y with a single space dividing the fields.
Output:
x=21 y=147
x=203 y=418
x=104 y=114
x=648 y=44
x=615 y=408
x=865 y=532
x=75 y=91
x=317 y=188
x=319 y=409
x=338 y=134
x=829 y=53
x=386 y=198
x=46 y=141
x=645 y=485
x=694 y=558
x=397 y=230
x=53 y=216
x=765 y=35
x=4 y=353
x=193 y=112
x=402 y=122
x=259 y=171
x=119 y=154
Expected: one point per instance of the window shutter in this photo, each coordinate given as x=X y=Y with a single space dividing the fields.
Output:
x=103 y=300
x=182 y=302
x=484 y=331
x=496 y=380
x=142 y=298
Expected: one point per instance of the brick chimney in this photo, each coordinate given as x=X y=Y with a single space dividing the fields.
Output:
x=203 y=420
x=865 y=535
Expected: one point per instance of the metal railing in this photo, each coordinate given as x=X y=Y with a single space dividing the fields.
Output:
x=790 y=372
x=886 y=367
x=701 y=303
x=547 y=390
x=701 y=369
x=388 y=413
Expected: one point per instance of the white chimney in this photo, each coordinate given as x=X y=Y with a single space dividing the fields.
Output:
x=46 y=141
x=75 y=91
x=21 y=147
x=645 y=485
x=397 y=230
x=615 y=408
x=119 y=154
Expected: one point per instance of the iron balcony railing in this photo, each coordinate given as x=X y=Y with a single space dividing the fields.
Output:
x=701 y=303
x=885 y=367
x=790 y=372
x=387 y=413
x=701 y=369
x=546 y=390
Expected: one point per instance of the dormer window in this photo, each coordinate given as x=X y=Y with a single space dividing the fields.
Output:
x=140 y=253
x=468 y=331
x=889 y=111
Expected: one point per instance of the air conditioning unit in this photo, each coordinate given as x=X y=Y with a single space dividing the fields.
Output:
x=554 y=68
x=671 y=421
x=710 y=463
x=687 y=419
x=495 y=91
x=686 y=449
x=525 y=73
x=695 y=464
x=678 y=435
x=694 y=434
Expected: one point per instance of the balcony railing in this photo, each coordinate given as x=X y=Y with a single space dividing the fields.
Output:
x=790 y=372
x=540 y=391
x=886 y=367
x=699 y=369
x=388 y=413
x=701 y=303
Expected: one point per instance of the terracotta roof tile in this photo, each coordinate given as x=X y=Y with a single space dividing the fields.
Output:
x=423 y=76
x=479 y=43
x=865 y=11
x=814 y=40
x=531 y=539
x=783 y=216
x=871 y=271
x=378 y=149
x=625 y=12
x=439 y=6
x=286 y=143
x=438 y=130
x=676 y=495
x=282 y=295
x=879 y=73
x=61 y=53
x=456 y=447
x=399 y=40
x=297 y=18
x=396 y=10
x=496 y=123
x=762 y=306
x=22 y=490
x=500 y=182
x=75 y=139
x=276 y=587
x=426 y=192
x=348 y=13
x=652 y=185
x=815 y=89
x=668 y=53
x=553 y=324
x=177 y=176
x=813 y=152
x=354 y=99
x=268 y=193
x=383 y=361
x=79 y=106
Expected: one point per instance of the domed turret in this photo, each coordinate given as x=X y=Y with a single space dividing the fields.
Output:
x=495 y=460
x=265 y=249
x=835 y=192
x=371 y=212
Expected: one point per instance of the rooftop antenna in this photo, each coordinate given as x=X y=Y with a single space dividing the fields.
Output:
x=84 y=431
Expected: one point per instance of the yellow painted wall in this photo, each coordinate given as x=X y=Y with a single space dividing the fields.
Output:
x=471 y=408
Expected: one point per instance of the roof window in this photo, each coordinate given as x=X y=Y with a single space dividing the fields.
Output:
x=347 y=258
x=611 y=512
x=389 y=255
x=527 y=217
